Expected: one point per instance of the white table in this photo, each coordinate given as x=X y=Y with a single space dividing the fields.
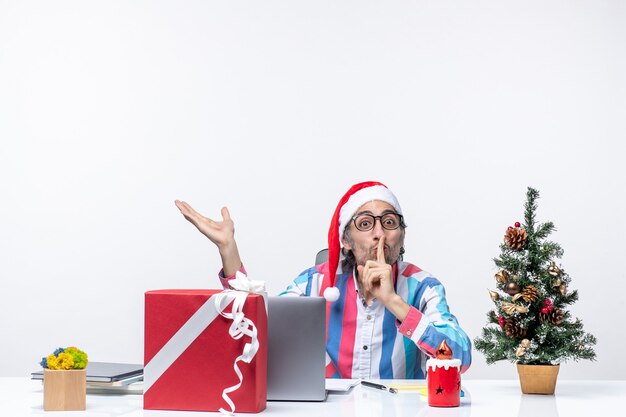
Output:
x=484 y=398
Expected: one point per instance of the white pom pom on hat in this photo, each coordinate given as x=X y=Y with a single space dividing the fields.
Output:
x=354 y=198
x=331 y=294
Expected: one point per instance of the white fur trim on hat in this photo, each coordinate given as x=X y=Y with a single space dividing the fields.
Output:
x=365 y=195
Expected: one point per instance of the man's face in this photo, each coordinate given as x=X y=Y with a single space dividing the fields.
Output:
x=364 y=244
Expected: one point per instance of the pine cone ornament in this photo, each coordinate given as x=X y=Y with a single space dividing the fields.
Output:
x=554 y=316
x=529 y=294
x=512 y=329
x=515 y=238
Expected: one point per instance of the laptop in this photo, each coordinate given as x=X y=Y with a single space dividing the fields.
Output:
x=296 y=354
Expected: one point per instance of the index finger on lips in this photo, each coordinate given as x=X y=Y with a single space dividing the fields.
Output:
x=381 y=250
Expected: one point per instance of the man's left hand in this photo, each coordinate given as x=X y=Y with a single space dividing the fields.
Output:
x=376 y=278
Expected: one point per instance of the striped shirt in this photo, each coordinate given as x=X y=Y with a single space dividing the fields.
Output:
x=366 y=341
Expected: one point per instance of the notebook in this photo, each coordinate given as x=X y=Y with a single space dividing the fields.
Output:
x=107 y=372
x=296 y=354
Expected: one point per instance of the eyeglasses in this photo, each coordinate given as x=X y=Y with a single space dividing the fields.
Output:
x=389 y=221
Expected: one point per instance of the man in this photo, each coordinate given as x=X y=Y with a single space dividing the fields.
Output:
x=385 y=317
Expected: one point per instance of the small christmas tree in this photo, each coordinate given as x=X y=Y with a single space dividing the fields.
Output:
x=532 y=324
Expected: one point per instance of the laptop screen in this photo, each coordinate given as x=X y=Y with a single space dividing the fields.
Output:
x=296 y=352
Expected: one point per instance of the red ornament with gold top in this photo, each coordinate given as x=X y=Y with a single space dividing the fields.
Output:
x=444 y=378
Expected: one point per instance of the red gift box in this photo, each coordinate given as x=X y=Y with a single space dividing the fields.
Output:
x=189 y=353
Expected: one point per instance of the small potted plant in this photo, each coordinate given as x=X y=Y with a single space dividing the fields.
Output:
x=65 y=380
x=530 y=324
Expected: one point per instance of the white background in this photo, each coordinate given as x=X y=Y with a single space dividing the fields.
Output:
x=111 y=110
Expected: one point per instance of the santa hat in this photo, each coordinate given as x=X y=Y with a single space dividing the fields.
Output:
x=356 y=196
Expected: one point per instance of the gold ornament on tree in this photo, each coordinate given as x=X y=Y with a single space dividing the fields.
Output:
x=510 y=308
x=521 y=349
x=502 y=276
x=494 y=295
x=511 y=288
x=515 y=238
x=560 y=285
x=553 y=270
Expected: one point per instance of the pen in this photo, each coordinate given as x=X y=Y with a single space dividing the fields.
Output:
x=379 y=386
x=421 y=388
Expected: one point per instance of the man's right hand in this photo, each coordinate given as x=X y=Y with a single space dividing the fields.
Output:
x=221 y=233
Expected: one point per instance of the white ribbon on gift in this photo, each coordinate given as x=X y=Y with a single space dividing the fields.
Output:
x=241 y=325
x=199 y=321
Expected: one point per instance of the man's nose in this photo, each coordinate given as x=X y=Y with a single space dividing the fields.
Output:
x=378 y=228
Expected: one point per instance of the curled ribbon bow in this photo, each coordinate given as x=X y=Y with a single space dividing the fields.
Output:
x=241 y=325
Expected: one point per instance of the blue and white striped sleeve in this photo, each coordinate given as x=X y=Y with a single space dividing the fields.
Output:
x=433 y=323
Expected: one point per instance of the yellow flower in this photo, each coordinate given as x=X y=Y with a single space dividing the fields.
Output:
x=65 y=361
x=53 y=362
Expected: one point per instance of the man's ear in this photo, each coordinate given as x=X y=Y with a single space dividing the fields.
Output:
x=346 y=244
